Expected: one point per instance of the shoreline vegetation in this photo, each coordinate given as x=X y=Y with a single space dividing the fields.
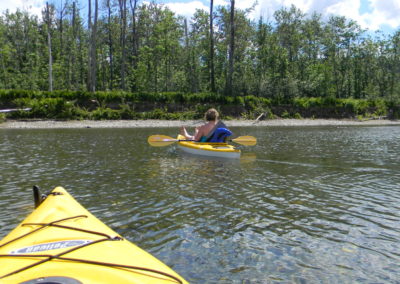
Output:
x=118 y=105
x=152 y=123
x=67 y=109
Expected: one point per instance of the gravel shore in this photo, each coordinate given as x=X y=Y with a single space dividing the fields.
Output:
x=54 y=124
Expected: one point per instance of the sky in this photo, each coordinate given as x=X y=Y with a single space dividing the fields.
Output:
x=369 y=14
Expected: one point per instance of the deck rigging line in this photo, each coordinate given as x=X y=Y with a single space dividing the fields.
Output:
x=60 y=256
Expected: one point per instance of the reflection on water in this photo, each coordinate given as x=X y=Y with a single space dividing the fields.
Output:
x=304 y=205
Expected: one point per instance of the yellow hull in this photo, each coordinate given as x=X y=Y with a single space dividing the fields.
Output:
x=62 y=239
x=223 y=150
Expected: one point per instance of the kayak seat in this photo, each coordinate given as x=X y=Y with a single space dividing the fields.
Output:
x=219 y=135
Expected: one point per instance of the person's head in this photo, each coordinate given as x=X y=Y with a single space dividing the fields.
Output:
x=211 y=115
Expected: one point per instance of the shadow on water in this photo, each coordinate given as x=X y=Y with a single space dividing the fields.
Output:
x=305 y=205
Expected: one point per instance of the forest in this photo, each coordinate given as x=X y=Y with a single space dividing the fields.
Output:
x=143 y=47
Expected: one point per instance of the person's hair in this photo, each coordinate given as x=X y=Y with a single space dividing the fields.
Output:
x=211 y=115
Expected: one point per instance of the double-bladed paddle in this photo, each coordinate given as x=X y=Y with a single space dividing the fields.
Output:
x=163 y=140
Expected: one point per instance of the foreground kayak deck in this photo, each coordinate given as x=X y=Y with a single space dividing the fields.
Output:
x=62 y=242
x=222 y=150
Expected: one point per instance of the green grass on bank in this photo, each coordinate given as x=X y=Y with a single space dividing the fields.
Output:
x=114 y=105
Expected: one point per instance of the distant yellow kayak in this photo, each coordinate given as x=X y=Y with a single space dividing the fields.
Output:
x=62 y=242
x=222 y=150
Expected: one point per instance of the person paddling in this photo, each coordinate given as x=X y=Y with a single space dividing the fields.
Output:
x=205 y=131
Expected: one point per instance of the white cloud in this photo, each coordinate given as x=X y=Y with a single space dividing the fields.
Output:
x=379 y=13
x=385 y=13
x=348 y=8
x=390 y=8
x=186 y=9
x=34 y=7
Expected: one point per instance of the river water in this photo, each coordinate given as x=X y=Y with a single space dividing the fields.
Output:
x=305 y=205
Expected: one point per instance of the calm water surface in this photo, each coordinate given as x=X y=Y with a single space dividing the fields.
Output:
x=306 y=205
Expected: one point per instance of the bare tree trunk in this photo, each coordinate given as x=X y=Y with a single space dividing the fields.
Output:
x=135 y=41
x=49 y=47
x=94 y=46
x=71 y=50
x=92 y=64
x=231 y=49
x=72 y=60
x=63 y=49
x=212 y=71
x=81 y=59
x=110 y=47
x=61 y=29
x=122 y=9
x=190 y=69
x=89 y=83
x=188 y=65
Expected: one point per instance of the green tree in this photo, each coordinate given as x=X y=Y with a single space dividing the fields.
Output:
x=340 y=36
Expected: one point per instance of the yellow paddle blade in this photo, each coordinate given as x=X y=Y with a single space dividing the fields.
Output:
x=160 y=140
x=164 y=140
x=246 y=140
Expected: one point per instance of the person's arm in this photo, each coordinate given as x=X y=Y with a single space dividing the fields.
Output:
x=199 y=133
x=186 y=134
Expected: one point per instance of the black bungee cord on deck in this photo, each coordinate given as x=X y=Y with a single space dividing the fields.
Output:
x=60 y=256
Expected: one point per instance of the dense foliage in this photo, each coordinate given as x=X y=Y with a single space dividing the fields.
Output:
x=145 y=48
x=177 y=105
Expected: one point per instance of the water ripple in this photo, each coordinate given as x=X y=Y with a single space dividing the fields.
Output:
x=309 y=205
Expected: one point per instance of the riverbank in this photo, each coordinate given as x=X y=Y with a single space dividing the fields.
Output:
x=55 y=124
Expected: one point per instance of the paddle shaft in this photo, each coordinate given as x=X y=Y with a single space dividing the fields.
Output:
x=166 y=140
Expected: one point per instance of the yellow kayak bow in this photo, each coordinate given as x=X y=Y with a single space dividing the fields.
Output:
x=62 y=242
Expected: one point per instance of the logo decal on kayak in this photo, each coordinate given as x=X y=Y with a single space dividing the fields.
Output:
x=50 y=246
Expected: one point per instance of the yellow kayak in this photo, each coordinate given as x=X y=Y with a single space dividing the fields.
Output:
x=62 y=242
x=222 y=150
